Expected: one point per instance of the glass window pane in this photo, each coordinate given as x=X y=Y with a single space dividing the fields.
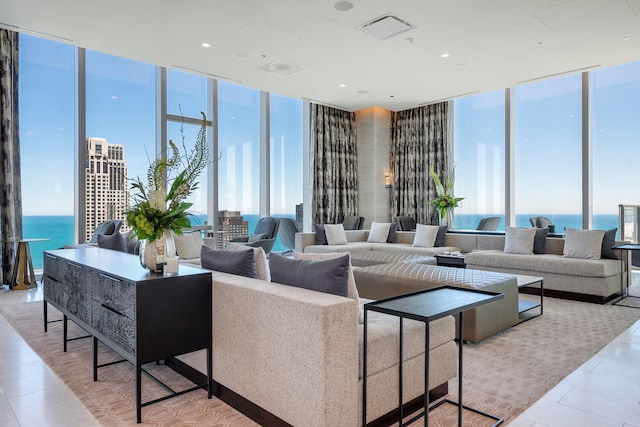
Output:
x=239 y=164
x=186 y=94
x=286 y=159
x=548 y=152
x=479 y=158
x=120 y=133
x=615 y=128
x=47 y=142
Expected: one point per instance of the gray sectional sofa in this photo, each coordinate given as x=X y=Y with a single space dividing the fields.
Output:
x=297 y=353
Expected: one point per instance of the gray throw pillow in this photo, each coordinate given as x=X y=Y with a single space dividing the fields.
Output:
x=239 y=262
x=330 y=276
x=608 y=241
x=321 y=235
x=540 y=240
x=442 y=233
x=391 y=238
x=255 y=237
x=115 y=242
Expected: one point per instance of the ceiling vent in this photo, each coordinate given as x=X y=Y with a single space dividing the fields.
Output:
x=282 y=68
x=385 y=27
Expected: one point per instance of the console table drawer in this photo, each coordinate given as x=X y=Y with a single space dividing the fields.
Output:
x=115 y=325
x=115 y=293
x=55 y=267
x=53 y=290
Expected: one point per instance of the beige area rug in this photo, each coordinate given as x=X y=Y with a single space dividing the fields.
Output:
x=503 y=374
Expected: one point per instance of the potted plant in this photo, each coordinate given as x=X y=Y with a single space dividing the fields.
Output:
x=446 y=201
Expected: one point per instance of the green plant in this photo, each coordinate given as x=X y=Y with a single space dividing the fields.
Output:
x=156 y=209
x=446 y=200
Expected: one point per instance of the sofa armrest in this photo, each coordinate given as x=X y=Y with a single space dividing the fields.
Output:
x=304 y=239
x=289 y=350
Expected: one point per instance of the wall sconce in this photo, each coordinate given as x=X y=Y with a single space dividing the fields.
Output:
x=387 y=181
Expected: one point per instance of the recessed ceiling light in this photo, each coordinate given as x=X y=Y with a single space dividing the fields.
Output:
x=343 y=6
x=444 y=55
x=626 y=38
x=205 y=45
x=342 y=85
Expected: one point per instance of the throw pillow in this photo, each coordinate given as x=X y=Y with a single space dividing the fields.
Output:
x=442 y=234
x=352 y=290
x=391 y=238
x=188 y=245
x=608 y=241
x=262 y=263
x=540 y=240
x=255 y=237
x=113 y=241
x=379 y=232
x=330 y=276
x=585 y=244
x=335 y=234
x=519 y=240
x=321 y=236
x=241 y=263
x=425 y=236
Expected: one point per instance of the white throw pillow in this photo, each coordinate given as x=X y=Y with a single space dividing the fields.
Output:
x=188 y=245
x=379 y=232
x=335 y=234
x=519 y=240
x=425 y=236
x=262 y=263
x=352 y=291
x=586 y=244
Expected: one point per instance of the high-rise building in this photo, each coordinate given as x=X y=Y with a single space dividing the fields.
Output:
x=230 y=224
x=106 y=184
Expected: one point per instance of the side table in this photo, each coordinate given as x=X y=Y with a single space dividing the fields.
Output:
x=626 y=247
x=451 y=260
x=425 y=306
x=23 y=276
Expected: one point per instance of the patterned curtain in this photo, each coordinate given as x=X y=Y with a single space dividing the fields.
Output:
x=418 y=140
x=10 y=197
x=335 y=177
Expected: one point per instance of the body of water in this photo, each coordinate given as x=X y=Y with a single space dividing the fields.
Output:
x=59 y=229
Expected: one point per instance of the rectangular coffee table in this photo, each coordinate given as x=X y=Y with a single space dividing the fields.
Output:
x=525 y=305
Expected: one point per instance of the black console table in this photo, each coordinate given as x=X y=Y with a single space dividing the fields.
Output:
x=426 y=306
x=142 y=316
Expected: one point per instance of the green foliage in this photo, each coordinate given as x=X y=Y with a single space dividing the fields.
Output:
x=445 y=200
x=156 y=209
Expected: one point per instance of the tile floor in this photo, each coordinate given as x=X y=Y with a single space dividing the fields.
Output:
x=604 y=391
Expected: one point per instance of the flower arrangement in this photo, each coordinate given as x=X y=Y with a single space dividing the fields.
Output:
x=445 y=201
x=155 y=209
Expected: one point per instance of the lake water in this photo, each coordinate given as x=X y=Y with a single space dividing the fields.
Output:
x=59 y=229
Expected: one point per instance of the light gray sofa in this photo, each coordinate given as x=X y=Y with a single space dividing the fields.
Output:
x=297 y=353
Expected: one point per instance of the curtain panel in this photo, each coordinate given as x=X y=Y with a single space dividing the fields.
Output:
x=335 y=176
x=10 y=195
x=418 y=140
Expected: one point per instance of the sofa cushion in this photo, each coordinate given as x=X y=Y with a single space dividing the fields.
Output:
x=586 y=244
x=335 y=234
x=425 y=236
x=188 y=245
x=321 y=235
x=608 y=241
x=393 y=229
x=241 y=263
x=442 y=234
x=262 y=263
x=379 y=232
x=330 y=276
x=115 y=242
x=352 y=291
x=519 y=240
x=540 y=240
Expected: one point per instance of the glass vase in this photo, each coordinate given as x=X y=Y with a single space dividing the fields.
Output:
x=153 y=254
x=447 y=219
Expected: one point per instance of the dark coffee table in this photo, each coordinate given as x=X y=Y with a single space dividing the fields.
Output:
x=451 y=260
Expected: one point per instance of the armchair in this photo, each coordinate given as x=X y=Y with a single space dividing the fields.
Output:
x=353 y=222
x=264 y=235
x=287 y=232
x=488 y=223
x=406 y=223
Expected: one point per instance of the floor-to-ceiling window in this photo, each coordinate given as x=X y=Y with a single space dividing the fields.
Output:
x=479 y=158
x=120 y=127
x=239 y=163
x=186 y=99
x=47 y=142
x=548 y=151
x=286 y=158
x=615 y=129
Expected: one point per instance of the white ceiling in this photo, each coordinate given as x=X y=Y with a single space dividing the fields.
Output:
x=492 y=44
